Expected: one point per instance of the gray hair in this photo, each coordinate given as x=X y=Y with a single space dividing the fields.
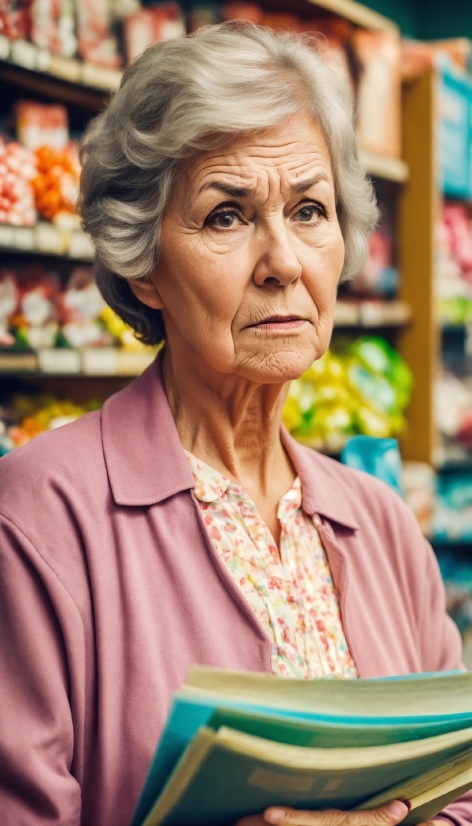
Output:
x=191 y=94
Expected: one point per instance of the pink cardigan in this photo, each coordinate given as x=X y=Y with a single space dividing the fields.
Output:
x=111 y=590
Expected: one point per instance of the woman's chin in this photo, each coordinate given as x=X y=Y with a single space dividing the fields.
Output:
x=277 y=367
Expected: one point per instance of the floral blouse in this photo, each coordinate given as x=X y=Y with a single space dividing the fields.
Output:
x=291 y=592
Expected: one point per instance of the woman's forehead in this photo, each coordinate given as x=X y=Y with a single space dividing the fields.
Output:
x=295 y=148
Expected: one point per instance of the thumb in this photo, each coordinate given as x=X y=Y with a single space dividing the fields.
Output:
x=388 y=815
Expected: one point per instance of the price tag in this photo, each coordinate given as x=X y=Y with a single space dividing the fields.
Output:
x=43 y=60
x=49 y=239
x=371 y=314
x=6 y=236
x=80 y=246
x=99 y=361
x=346 y=314
x=4 y=47
x=56 y=360
x=65 y=68
x=23 y=238
x=132 y=364
x=100 y=76
x=24 y=54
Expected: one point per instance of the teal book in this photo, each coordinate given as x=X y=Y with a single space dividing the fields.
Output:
x=307 y=714
x=225 y=775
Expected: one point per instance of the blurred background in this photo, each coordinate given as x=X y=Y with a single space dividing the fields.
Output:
x=400 y=362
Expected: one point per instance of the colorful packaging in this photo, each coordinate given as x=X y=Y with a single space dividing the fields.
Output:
x=359 y=387
x=379 y=91
x=379 y=457
x=53 y=26
x=17 y=170
x=35 y=320
x=78 y=309
x=97 y=43
x=455 y=133
x=152 y=25
x=282 y=21
x=56 y=184
x=243 y=11
x=454 y=264
x=9 y=297
x=41 y=124
x=15 y=18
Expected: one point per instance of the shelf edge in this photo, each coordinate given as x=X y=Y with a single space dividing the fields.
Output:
x=357 y=13
x=390 y=169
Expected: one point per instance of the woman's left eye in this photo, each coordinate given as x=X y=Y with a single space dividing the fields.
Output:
x=310 y=212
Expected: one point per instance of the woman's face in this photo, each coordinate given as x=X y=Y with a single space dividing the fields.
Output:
x=251 y=254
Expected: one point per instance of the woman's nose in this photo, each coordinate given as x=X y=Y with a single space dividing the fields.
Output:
x=277 y=264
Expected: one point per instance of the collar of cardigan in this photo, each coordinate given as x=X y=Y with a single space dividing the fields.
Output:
x=146 y=463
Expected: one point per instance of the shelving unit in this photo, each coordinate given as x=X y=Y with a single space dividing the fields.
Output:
x=420 y=208
x=26 y=70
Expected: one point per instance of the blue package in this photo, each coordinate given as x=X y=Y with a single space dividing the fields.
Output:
x=379 y=457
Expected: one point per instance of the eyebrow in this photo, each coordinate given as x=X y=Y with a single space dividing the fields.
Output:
x=307 y=183
x=233 y=191
x=243 y=192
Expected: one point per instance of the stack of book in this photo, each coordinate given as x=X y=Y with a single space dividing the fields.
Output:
x=236 y=743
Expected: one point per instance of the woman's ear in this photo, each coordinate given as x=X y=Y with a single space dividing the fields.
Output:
x=145 y=291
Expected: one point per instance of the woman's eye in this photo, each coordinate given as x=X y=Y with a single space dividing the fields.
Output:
x=225 y=220
x=310 y=212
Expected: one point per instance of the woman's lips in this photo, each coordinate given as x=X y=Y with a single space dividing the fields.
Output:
x=278 y=323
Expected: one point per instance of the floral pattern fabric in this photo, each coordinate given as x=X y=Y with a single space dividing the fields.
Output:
x=291 y=591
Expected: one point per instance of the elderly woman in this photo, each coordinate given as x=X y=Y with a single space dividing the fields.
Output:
x=181 y=524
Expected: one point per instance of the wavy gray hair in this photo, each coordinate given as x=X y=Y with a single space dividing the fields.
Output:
x=194 y=93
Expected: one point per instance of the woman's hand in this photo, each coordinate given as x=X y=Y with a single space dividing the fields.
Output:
x=388 y=815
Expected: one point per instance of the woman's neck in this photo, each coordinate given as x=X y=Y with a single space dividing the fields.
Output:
x=231 y=424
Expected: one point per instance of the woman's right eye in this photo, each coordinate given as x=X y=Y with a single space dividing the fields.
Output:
x=227 y=219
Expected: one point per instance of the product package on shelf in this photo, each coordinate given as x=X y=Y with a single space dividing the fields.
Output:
x=25 y=417
x=152 y=25
x=455 y=133
x=39 y=179
x=15 y=19
x=65 y=323
x=40 y=124
x=358 y=387
x=418 y=483
x=454 y=264
x=17 y=171
x=250 y=12
x=379 y=277
x=96 y=42
x=379 y=91
x=452 y=518
x=456 y=571
x=53 y=25
x=453 y=415
x=418 y=55
x=36 y=311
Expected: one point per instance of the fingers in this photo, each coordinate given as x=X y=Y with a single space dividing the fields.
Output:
x=388 y=815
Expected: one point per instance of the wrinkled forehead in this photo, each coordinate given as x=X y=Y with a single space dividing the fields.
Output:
x=291 y=151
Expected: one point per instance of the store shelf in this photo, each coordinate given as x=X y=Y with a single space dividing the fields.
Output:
x=381 y=166
x=372 y=314
x=356 y=13
x=74 y=81
x=458 y=544
x=46 y=239
x=100 y=362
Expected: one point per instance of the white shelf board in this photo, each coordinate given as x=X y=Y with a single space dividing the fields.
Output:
x=357 y=13
x=381 y=166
